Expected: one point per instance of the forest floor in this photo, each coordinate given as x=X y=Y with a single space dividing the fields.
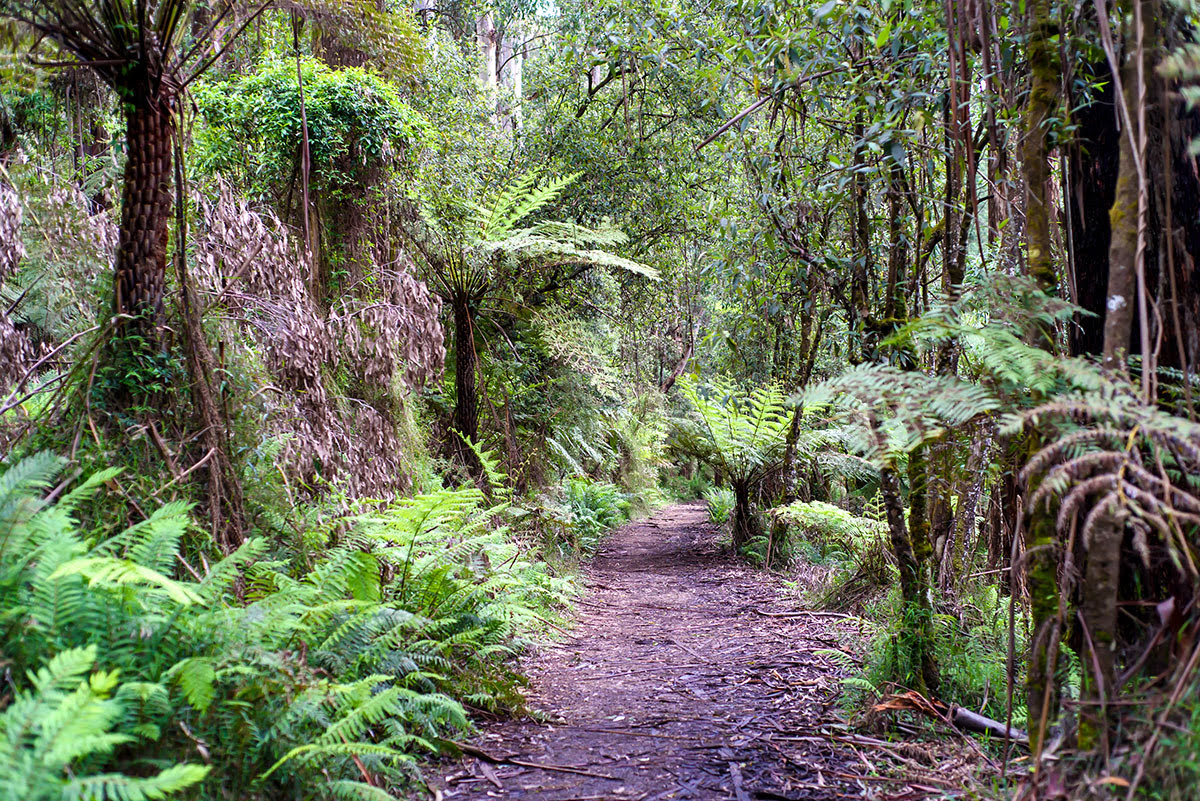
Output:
x=688 y=675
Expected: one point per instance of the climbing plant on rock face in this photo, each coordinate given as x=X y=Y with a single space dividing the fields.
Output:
x=743 y=435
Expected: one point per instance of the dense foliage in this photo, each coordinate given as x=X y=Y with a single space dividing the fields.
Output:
x=334 y=334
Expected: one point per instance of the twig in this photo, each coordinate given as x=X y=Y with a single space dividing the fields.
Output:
x=735 y=773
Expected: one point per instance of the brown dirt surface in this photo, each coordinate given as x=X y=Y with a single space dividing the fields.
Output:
x=688 y=675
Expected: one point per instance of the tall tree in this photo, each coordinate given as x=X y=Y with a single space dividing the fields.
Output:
x=1041 y=571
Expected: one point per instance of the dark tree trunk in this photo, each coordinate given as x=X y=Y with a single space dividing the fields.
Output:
x=1180 y=246
x=745 y=527
x=466 y=401
x=141 y=264
x=1092 y=161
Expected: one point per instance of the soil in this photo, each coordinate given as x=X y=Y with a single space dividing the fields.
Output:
x=688 y=675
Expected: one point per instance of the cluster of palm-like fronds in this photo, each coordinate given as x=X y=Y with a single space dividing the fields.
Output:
x=743 y=434
x=883 y=411
x=325 y=679
x=1119 y=458
x=466 y=243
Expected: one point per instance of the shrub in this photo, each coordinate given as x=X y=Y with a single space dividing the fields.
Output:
x=322 y=681
x=970 y=646
x=575 y=520
x=54 y=733
x=720 y=504
x=854 y=549
x=596 y=508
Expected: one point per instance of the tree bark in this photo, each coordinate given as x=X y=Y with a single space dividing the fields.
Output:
x=141 y=263
x=1128 y=215
x=1045 y=72
x=1041 y=576
x=745 y=527
x=916 y=638
x=466 y=401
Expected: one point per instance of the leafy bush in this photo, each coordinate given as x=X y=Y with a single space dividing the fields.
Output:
x=596 y=508
x=854 y=549
x=691 y=488
x=356 y=121
x=720 y=504
x=835 y=532
x=575 y=521
x=321 y=681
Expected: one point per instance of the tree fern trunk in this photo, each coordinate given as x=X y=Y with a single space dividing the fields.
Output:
x=141 y=263
x=466 y=401
x=744 y=527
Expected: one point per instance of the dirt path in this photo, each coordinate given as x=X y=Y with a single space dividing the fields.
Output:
x=688 y=675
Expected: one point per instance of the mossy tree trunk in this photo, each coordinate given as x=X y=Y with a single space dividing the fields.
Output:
x=911 y=549
x=1126 y=286
x=1041 y=545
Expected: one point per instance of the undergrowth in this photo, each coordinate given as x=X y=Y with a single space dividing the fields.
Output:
x=971 y=647
x=579 y=513
x=720 y=505
x=851 y=552
x=258 y=675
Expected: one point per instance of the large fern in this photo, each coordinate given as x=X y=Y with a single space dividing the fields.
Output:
x=53 y=734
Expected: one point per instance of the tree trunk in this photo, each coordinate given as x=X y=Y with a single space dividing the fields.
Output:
x=1122 y=252
x=486 y=35
x=1093 y=159
x=141 y=263
x=466 y=401
x=1041 y=575
x=1128 y=215
x=1043 y=103
x=916 y=637
x=1126 y=285
x=744 y=525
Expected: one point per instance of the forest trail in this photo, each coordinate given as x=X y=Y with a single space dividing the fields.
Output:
x=687 y=675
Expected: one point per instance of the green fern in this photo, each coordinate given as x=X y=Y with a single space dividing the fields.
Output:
x=64 y=721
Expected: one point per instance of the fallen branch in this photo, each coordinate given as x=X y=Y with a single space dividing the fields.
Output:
x=961 y=718
x=804 y=613
x=479 y=753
